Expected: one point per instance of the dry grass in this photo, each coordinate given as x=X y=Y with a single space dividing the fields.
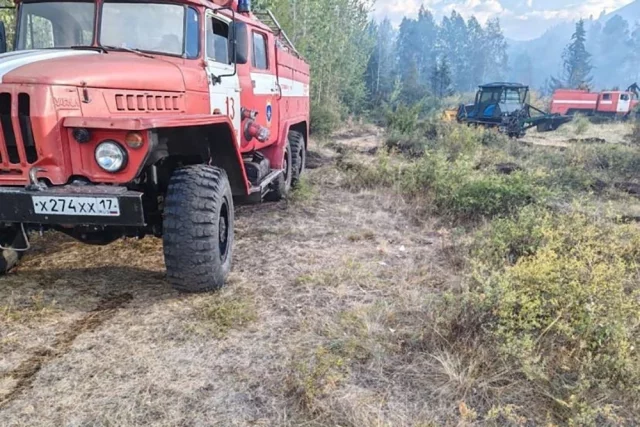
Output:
x=614 y=133
x=333 y=316
x=309 y=331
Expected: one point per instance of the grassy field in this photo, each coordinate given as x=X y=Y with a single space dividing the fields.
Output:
x=435 y=276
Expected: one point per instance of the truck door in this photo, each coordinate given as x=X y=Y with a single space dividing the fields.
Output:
x=264 y=82
x=624 y=104
x=224 y=86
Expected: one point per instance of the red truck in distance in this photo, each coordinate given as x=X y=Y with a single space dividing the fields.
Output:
x=129 y=118
x=612 y=104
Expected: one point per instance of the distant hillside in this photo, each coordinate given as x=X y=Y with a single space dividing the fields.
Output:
x=532 y=62
x=630 y=12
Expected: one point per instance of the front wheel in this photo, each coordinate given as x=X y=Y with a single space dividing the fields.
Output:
x=198 y=229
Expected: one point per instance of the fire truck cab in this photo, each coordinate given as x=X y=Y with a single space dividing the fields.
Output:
x=128 y=118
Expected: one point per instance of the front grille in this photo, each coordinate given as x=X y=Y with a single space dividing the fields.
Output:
x=17 y=132
x=130 y=102
x=24 y=116
x=7 y=129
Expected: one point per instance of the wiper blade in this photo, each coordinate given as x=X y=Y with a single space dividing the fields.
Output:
x=81 y=47
x=127 y=49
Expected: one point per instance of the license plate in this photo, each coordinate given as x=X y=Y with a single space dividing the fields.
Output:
x=86 y=206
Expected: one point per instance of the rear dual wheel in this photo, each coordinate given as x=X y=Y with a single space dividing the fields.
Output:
x=298 y=156
x=295 y=156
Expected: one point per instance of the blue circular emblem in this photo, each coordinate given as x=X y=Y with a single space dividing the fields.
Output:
x=269 y=113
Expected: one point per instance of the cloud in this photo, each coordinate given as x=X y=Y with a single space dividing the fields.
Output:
x=481 y=9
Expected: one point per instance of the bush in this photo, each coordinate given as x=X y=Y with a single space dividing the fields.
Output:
x=634 y=136
x=435 y=135
x=563 y=310
x=412 y=145
x=403 y=119
x=580 y=125
x=383 y=172
x=485 y=195
x=325 y=119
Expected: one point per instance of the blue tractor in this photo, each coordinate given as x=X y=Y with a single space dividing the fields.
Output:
x=506 y=106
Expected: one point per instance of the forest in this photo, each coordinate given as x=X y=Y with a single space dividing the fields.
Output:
x=364 y=68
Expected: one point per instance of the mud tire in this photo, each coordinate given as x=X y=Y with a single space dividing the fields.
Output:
x=298 y=156
x=10 y=237
x=281 y=186
x=198 y=233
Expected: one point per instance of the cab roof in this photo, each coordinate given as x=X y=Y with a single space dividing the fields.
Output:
x=507 y=85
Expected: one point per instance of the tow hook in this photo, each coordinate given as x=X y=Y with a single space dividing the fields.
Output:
x=25 y=237
x=34 y=184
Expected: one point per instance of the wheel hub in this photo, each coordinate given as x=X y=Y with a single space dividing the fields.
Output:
x=223 y=231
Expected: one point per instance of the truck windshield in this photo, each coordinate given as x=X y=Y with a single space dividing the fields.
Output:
x=55 y=24
x=512 y=100
x=143 y=26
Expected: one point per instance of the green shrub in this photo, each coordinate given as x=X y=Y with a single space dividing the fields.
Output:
x=485 y=195
x=303 y=191
x=580 y=125
x=325 y=119
x=412 y=145
x=382 y=172
x=435 y=135
x=507 y=240
x=634 y=136
x=563 y=309
x=403 y=119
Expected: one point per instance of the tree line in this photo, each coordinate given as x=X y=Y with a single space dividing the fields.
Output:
x=428 y=59
x=360 y=65
x=603 y=55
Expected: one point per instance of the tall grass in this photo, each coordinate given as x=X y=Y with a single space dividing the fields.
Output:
x=546 y=327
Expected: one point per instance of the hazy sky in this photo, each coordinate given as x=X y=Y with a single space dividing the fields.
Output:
x=521 y=19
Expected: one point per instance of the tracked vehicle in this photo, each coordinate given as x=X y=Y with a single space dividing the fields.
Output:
x=506 y=106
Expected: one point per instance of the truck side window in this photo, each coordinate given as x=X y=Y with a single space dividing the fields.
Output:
x=218 y=41
x=192 y=41
x=260 y=52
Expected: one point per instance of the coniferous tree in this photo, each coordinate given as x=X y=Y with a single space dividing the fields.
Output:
x=413 y=90
x=427 y=33
x=380 y=78
x=441 y=78
x=577 y=62
x=614 y=54
x=496 y=51
x=477 y=53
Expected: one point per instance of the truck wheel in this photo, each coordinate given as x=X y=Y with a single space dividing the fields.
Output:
x=282 y=185
x=198 y=228
x=10 y=237
x=298 y=156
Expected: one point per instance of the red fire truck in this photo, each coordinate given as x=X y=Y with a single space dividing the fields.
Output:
x=127 y=118
x=614 y=104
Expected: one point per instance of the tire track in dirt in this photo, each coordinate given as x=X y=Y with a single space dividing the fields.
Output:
x=25 y=373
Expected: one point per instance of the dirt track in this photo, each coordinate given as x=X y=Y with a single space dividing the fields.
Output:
x=95 y=336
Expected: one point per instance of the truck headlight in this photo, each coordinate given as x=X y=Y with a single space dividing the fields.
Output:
x=110 y=156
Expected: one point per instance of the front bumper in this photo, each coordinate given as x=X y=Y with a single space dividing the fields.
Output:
x=17 y=206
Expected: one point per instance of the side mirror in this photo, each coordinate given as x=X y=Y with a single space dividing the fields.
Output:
x=3 y=38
